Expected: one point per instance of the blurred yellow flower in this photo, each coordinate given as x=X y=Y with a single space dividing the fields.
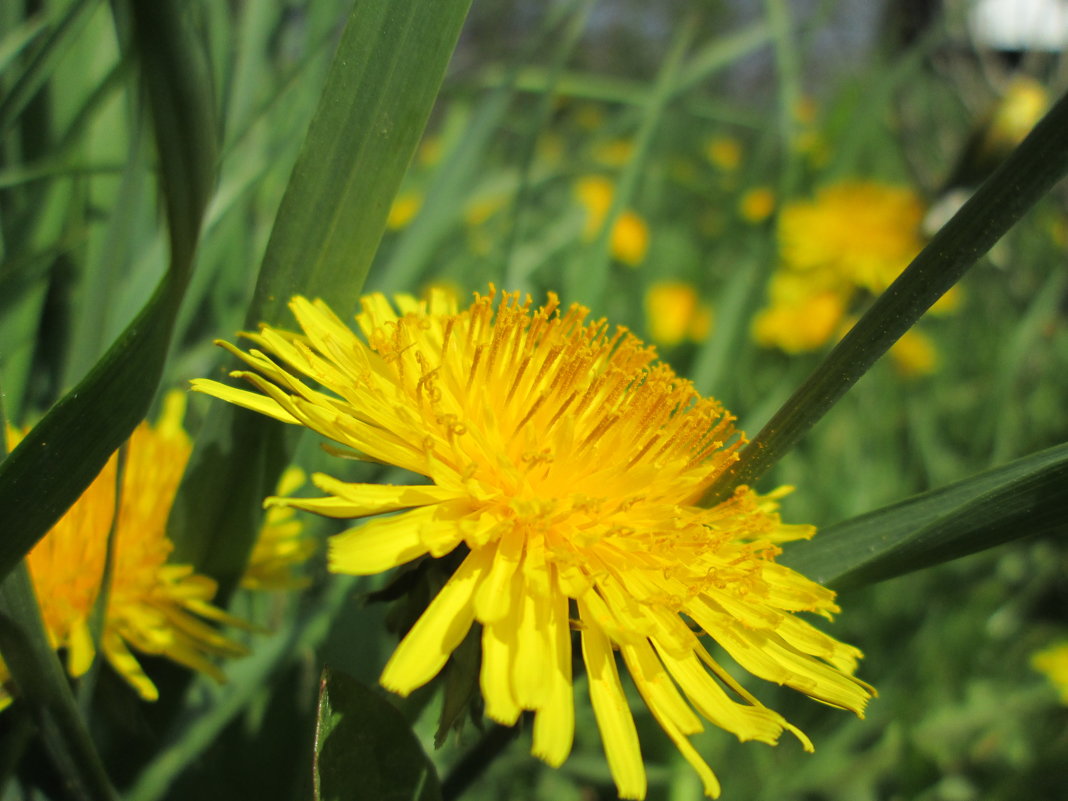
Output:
x=1052 y=662
x=914 y=354
x=757 y=204
x=802 y=315
x=724 y=152
x=630 y=235
x=153 y=607
x=405 y=206
x=630 y=239
x=281 y=546
x=564 y=466
x=674 y=312
x=864 y=232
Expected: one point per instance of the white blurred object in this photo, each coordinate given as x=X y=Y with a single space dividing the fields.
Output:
x=1020 y=24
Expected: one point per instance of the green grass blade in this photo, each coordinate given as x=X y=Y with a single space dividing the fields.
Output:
x=41 y=64
x=1024 y=498
x=56 y=461
x=1038 y=163
x=588 y=285
x=378 y=96
x=43 y=686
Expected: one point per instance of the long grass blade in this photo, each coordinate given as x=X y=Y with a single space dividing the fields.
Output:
x=57 y=459
x=1024 y=498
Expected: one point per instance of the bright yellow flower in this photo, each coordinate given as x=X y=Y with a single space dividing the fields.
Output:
x=1053 y=663
x=405 y=206
x=804 y=314
x=674 y=312
x=630 y=239
x=757 y=204
x=152 y=606
x=630 y=235
x=564 y=465
x=865 y=233
x=281 y=545
x=914 y=354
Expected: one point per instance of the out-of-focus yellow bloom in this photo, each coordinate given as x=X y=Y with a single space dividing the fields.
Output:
x=724 y=152
x=430 y=151
x=757 y=204
x=1053 y=663
x=674 y=312
x=914 y=354
x=153 y=607
x=281 y=546
x=864 y=232
x=805 y=109
x=481 y=207
x=595 y=194
x=630 y=234
x=564 y=466
x=1024 y=102
x=630 y=239
x=614 y=153
x=405 y=206
x=802 y=316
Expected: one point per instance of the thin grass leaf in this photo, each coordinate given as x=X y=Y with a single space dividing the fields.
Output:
x=378 y=96
x=386 y=74
x=62 y=454
x=41 y=64
x=42 y=684
x=1037 y=164
x=1024 y=498
x=588 y=284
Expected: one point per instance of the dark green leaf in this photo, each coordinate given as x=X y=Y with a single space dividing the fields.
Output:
x=1037 y=164
x=42 y=684
x=1021 y=499
x=56 y=461
x=379 y=93
x=364 y=749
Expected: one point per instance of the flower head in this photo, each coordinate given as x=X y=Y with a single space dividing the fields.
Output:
x=853 y=237
x=564 y=465
x=152 y=606
x=1052 y=662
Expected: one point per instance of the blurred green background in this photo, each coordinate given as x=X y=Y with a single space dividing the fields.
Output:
x=597 y=150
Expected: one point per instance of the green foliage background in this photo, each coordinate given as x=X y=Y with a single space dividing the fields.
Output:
x=171 y=172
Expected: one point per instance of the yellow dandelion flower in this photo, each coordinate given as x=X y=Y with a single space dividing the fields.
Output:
x=805 y=313
x=152 y=606
x=405 y=206
x=630 y=239
x=564 y=464
x=674 y=312
x=724 y=152
x=757 y=204
x=914 y=354
x=864 y=232
x=281 y=546
x=1052 y=662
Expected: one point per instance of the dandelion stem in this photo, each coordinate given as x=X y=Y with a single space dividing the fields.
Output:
x=1038 y=163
